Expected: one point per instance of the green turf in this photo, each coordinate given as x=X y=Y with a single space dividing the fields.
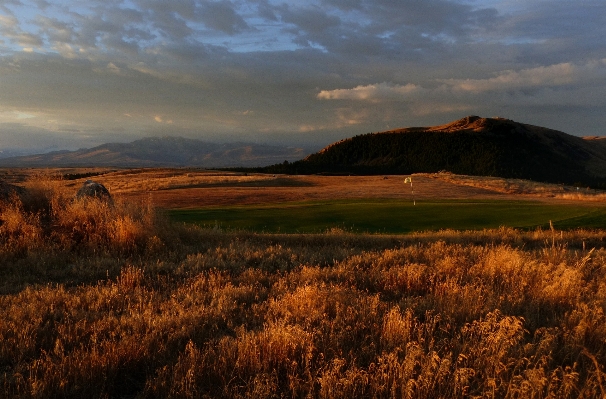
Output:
x=394 y=216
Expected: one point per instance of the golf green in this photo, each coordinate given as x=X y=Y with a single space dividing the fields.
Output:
x=394 y=216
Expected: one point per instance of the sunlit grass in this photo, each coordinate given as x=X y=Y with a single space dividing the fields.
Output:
x=114 y=301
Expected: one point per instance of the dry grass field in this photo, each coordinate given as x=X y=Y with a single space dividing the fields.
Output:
x=187 y=188
x=114 y=301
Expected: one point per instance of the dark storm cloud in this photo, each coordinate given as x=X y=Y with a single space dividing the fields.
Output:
x=297 y=70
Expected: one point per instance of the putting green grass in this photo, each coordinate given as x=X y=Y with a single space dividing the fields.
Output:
x=394 y=216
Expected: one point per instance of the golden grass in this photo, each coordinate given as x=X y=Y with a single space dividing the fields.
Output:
x=107 y=301
x=523 y=187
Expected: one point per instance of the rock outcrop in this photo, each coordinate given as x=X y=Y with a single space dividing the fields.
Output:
x=92 y=189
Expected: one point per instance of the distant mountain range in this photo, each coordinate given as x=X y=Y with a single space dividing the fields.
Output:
x=11 y=153
x=471 y=146
x=163 y=151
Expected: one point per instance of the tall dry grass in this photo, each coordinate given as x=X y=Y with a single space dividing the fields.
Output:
x=109 y=301
x=48 y=235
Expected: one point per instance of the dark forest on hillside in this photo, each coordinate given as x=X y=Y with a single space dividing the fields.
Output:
x=500 y=149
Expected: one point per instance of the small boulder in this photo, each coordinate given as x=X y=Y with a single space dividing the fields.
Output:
x=92 y=189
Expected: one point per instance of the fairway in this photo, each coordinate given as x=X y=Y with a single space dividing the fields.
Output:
x=394 y=216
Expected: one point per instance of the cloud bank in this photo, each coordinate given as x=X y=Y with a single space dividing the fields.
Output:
x=302 y=72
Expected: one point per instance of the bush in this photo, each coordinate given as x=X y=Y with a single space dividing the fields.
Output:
x=49 y=220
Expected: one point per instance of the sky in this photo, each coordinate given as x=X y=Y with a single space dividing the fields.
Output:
x=75 y=74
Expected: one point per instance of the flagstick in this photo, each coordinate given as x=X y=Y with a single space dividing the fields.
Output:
x=413 y=193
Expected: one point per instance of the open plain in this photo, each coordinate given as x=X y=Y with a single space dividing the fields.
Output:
x=318 y=203
x=178 y=188
x=114 y=300
x=188 y=188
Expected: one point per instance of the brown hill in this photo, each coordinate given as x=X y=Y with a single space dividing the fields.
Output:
x=471 y=146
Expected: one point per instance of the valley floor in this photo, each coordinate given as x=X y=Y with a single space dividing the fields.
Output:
x=191 y=188
x=105 y=300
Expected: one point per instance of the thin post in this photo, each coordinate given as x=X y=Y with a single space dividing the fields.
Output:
x=412 y=191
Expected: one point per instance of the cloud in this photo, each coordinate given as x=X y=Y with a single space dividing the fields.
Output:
x=19 y=136
x=14 y=115
x=310 y=20
x=383 y=28
x=8 y=23
x=555 y=20
x=221 y=16
x=553 y=75
x=374 y=92
x=544 y=76
x=560 y=96
x=384 y=63
x=130 y=27
x=56 y=30
x=527 y=80
x=113 y=68
x=11 y=30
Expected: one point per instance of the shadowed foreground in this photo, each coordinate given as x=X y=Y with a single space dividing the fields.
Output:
x=113 y=301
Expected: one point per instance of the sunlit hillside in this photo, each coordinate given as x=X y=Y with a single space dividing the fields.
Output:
x=472 y=145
